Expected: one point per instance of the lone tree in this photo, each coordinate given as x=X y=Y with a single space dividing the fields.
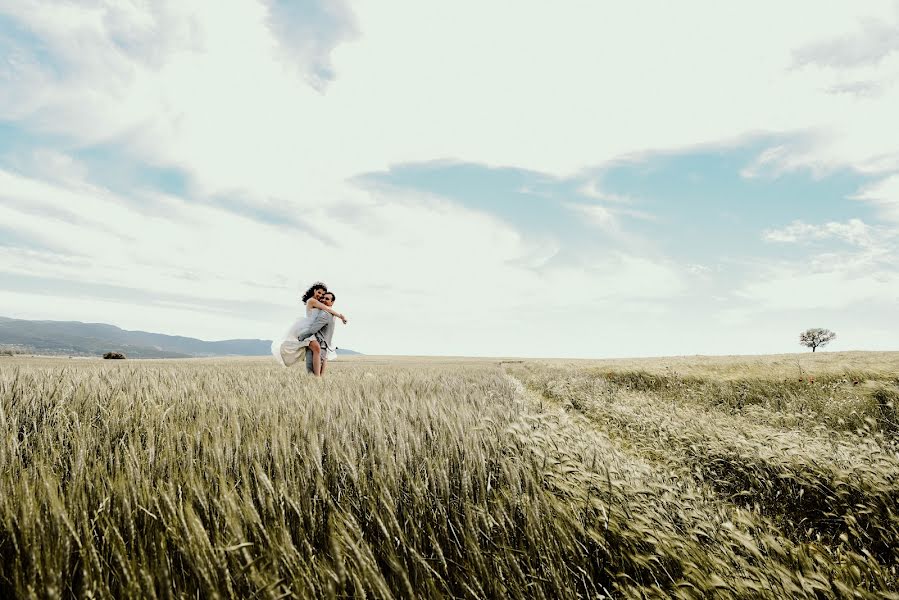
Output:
x=815 y=337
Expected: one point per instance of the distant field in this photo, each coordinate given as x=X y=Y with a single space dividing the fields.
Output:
x=694 y=477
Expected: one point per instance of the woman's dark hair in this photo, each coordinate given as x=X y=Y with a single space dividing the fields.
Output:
x=318 y=285
x=332 y=294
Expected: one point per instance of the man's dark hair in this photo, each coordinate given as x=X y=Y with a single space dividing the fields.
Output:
x=318 y=285
x=332 y=294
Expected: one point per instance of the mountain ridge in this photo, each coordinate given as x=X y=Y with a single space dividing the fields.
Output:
x=77 y=338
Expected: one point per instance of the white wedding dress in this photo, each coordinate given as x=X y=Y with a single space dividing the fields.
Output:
x=289 y=350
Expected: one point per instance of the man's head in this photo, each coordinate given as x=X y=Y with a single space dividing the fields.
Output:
x=328 y=298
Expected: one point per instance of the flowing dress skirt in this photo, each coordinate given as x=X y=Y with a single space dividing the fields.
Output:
x=289 y=350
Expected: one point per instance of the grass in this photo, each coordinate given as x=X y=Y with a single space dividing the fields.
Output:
x=818 y=483
x=448 y=478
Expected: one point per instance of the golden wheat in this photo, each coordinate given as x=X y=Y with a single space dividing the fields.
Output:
x=234 y=479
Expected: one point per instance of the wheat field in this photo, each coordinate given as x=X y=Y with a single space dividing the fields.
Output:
x=687 y=477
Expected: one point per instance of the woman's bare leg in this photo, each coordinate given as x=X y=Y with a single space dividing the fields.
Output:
x=324 y=364
x=316 y=357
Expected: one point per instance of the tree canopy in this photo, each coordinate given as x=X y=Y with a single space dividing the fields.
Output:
x=815 y=337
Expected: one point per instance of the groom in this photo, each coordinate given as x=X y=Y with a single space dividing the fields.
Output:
x=322 y=327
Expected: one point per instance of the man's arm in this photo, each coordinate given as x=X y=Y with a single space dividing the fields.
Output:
x=320 y=320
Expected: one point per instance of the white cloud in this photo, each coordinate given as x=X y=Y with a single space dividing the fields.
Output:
x=885 y=196
x=309 y=31
x=596 y=214
x=854 y=231
x=865 y=273
x=399 y=261
x=837 y=289
x=857 y=88
x=204 y=87
x=776 y=161
x=698 y=270
x=871 y=42
x=592 y=189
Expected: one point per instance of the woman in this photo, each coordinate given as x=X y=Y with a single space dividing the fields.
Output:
x=290 y=349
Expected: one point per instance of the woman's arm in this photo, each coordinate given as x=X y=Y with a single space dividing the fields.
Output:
x=313 y=303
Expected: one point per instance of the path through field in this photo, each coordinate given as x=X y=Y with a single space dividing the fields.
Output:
x=806 y=494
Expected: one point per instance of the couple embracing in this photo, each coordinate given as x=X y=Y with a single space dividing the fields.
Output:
x=310 y=337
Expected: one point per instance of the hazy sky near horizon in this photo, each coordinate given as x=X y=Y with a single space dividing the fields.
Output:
x=498 y=178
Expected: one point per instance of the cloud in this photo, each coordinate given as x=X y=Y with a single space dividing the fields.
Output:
x=206 y=88
x=873 y=41
x=883 y=194
x=308 y=31
x=857 y=88
x=404 y=260
x=782 y=158
x=698 y=270
x=837 y=289
x=854 y=232
x=268 y=120
x=591 y=189
x=87 y=221
x=597 y=215
x=827 y=278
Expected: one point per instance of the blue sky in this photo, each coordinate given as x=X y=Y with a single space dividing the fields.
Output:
x=186 y=170
x=690 y=205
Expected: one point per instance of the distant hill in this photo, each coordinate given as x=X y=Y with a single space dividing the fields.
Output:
x=93 y=339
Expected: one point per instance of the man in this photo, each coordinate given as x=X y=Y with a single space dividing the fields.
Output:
x=322 y=327
x=326 y=333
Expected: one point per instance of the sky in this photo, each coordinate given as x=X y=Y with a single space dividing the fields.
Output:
x=567 y=179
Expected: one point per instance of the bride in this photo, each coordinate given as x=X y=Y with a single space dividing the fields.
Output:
x=290 y=349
